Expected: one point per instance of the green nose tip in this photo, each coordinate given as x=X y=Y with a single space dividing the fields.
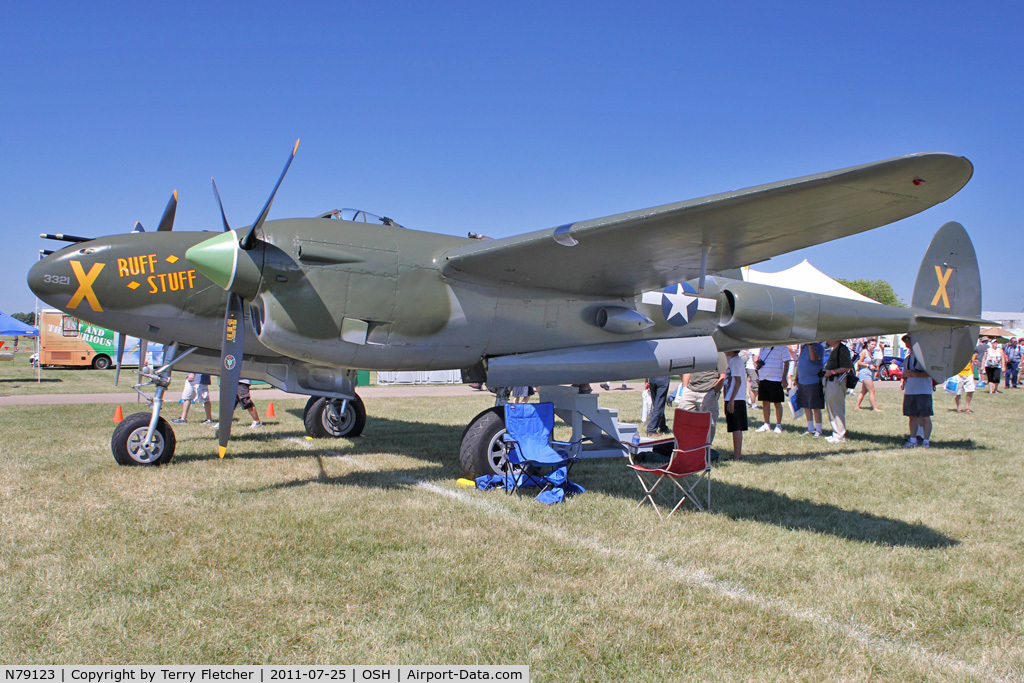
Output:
x=217 y=258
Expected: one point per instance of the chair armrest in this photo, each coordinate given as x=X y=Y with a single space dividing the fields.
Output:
x=683 y=452
x=690 y=450
x=574 y=445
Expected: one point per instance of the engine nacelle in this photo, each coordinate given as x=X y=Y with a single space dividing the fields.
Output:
x=751 y=312
x=622 y=320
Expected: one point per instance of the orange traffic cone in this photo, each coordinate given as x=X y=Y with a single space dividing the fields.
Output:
x=118 y=414
x=270 y=410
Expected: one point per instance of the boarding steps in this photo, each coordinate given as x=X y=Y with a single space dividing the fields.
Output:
x=600 y=427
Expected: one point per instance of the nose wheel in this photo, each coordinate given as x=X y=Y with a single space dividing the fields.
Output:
x=128 y=442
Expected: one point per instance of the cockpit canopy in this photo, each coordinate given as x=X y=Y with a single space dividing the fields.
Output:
x=359 y=216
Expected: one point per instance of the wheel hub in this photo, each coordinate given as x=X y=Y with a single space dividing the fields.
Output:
x=141 y=453
x=496 y=453
x=335 y=421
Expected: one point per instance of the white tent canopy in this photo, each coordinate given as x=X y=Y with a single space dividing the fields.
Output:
x=806 y=278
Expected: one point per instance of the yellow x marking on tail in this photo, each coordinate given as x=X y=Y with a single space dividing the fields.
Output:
x=85 y=281
x=940 y=293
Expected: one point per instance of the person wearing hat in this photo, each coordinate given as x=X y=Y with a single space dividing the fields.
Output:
x=1012 y=353
x=917 y=397
x=995 y=364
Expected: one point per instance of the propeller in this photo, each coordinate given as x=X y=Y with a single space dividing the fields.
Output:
x=249 y=239
x=219 y=258
x=143 y=352
x=220 y=204
x=167 y=220
x=232 y=345
x=120 y=355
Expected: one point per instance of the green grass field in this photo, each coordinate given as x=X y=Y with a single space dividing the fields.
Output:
x=856 y=562
x=17 y=377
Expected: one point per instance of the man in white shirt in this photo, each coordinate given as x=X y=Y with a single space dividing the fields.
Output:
x=772 y=380
x=735 y=405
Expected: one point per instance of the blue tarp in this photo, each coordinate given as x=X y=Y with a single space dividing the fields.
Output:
x=15 y=328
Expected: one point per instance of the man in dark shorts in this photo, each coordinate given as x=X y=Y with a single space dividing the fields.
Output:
x=772 y=372
x=242 y=396
x=917 y=398
x=736 y=401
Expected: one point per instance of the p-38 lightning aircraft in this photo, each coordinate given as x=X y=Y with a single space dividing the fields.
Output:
x=310 y=300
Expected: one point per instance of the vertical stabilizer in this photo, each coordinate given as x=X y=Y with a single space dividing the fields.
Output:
x=948 y=286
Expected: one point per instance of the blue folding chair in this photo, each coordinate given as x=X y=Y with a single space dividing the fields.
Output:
x=534 y=458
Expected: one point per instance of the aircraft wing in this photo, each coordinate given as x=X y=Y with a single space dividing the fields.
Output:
x=628 y=253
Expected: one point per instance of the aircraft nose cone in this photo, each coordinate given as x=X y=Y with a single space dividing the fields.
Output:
x=222 y=260
x=45 y=282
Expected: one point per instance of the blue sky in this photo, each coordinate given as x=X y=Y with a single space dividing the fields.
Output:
x=501 y=119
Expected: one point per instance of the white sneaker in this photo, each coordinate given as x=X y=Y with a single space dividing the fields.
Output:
x=817 y=435
x=256 y=425
x=809 y=432
x=834 y=439
x=778 y=429
x=926 y=444
x=911 y=443
x=764 y=428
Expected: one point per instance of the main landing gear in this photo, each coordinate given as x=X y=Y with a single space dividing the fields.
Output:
x=482 y=451
x=334 y=417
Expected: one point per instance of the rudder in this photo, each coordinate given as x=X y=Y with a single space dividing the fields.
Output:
x=947 y=302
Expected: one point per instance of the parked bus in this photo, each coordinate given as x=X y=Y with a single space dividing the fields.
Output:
x=67 y=341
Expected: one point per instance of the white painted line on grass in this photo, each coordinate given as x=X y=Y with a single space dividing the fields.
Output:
x=862 y=635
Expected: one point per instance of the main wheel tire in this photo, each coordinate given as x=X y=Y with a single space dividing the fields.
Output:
x=101 y=362
x=323 y=420
x=309 y=404
x=480 y=451
x=126 y=443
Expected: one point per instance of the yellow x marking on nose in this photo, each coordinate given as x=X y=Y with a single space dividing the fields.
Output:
x=940 y=293
x=85 y=281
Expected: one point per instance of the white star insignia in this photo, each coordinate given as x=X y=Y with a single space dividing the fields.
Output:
x=679 y=301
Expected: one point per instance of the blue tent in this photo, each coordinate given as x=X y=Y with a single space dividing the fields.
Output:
x=15 y=328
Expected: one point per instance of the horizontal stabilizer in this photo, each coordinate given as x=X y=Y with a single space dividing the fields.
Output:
x=953 y=320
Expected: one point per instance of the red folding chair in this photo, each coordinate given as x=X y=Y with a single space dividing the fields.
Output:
x=688 y=468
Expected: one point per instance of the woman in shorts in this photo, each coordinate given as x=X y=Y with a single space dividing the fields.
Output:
x=866 y=373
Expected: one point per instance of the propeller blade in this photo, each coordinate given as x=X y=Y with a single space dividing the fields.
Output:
x=167 y=221
x=223 y=216
x=250 y=237
x=232 y=344
x=143 y=352
x=120 y=356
